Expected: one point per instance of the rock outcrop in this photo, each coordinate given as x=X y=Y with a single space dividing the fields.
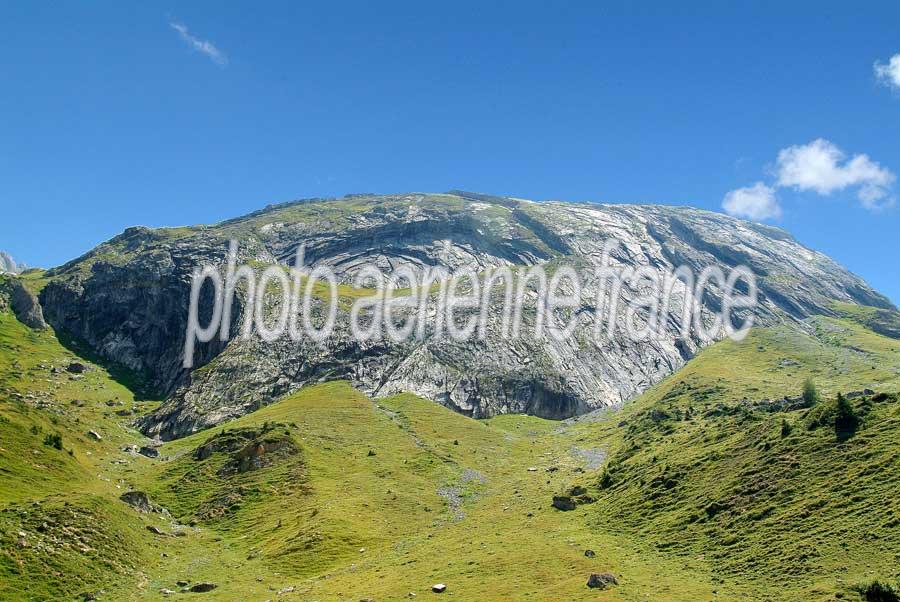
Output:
x=248 y=449
x=139 y=501
x=23 y=303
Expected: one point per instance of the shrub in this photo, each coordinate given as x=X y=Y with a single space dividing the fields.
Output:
x=606 y=480
x=819 y=415
x=785 y=428
x=845 y=419
x=879 y=592
x=54 y=440
x=810 y=392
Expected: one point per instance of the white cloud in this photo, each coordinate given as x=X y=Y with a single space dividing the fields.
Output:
x=757 y=202
x=875 y=198
x=202 y=46
x=889 y=73
x=822 y=167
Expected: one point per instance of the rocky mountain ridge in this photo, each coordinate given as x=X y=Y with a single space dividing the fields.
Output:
x=128 y=301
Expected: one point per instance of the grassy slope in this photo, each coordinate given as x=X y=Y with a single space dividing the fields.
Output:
x=882 y=321
x=90 y=538
x=802 y=517
x=704 y=475
x=389 y=505
x=291 y=528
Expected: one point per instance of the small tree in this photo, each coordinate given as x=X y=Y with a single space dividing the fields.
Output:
x=785 y=428
x=810 y=392
x=845 y=418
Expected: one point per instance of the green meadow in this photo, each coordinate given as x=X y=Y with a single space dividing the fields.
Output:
x=710 y=486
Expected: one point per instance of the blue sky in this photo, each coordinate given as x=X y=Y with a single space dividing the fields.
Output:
x=182 y=113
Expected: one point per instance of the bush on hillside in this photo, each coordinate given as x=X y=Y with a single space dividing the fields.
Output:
x=785 y=428
x=877 y=591
x=54 y=440
x=846 y=420
x=810 y=392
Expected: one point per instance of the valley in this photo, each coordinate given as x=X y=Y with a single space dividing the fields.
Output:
x=356 y=498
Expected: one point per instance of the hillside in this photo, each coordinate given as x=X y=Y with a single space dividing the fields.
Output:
x=717 y=463
x=691 y=491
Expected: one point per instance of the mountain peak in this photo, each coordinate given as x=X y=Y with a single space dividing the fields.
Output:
x=150 y=270
x=9 y=265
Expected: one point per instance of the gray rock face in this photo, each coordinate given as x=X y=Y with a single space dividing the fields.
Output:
x=128 y=299
x=23 y=303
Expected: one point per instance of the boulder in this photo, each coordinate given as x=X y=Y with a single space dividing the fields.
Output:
x=575 y=496
x=564 y=503
x=150 y=452
x=76 y=368
x=138 y=500
x=199 y=588
x=601 y=580
x=438 y=588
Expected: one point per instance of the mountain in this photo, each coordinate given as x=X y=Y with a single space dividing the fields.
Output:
x=127 y=300
x=8 y=264
x=765 y=468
